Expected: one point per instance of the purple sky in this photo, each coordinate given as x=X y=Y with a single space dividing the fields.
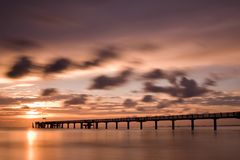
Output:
x=77 y=59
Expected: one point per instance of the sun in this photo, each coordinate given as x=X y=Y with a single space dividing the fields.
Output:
x=32 y=114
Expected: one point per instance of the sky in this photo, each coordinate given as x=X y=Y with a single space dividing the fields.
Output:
x=92 y=59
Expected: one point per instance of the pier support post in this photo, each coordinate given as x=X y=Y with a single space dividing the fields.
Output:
x=81 y=125
x=116 y=125
x=89 y=125
x=106 y=125
x=61 y=125
x=128 y=125
x=67 y=125
x=215 y=124
x=141 y=125
x=192 y=124
x=156 y=124
x=173 y=124
x=74 y=125
x=96 y=125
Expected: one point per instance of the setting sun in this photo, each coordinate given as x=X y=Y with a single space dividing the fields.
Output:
x=32 y=114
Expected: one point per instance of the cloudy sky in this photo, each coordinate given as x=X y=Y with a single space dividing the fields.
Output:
x=82 y=59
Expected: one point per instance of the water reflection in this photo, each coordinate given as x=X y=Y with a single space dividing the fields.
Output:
x=119 y=144
x=31 y=137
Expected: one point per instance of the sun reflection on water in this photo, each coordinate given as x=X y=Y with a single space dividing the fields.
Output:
x=31 y=137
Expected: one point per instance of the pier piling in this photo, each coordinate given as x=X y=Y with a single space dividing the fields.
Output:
x=156 y=124
x=106 y=125
x=96 y=124
x=81 y=125
x=141 y=125
x=128 y=125
x=215 y=124
x=192 y=124
x=173 y=124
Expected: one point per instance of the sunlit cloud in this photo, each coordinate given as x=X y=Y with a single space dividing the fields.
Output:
x=44 y=104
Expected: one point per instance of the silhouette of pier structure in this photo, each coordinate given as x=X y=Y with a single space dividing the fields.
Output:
x=94 y=123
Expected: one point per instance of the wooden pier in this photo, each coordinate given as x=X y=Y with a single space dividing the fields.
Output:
x=94 y=123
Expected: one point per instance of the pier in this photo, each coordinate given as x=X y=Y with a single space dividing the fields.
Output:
x=94 y=123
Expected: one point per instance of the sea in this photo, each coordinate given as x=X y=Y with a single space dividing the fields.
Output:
x=134 y=144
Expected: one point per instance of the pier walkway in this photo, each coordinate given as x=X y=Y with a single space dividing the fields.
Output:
x=94 y=123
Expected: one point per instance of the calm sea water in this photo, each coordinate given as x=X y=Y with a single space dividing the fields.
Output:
x=163 y=144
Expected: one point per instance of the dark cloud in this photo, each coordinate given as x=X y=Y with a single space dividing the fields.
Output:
x=49 y=92
x=102 y=56
x=155 y=74
x=168 y=103
x=171 y=76
x=81 y=99
x=190 y=88
x=185 y=89
x=25 y=107
x=129 y=103
x=209 y=82
x=19 y=44
x=150 y=87
x=148 y=99
x=227 y=100
x=106 y=82
x=22 y=67
x=174 y=75
x=59 y=65
x=164 y=104
x=140 y=109
x=222 y=100
x=8 y=101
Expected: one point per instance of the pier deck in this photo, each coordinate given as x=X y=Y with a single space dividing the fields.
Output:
x=94 y=123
